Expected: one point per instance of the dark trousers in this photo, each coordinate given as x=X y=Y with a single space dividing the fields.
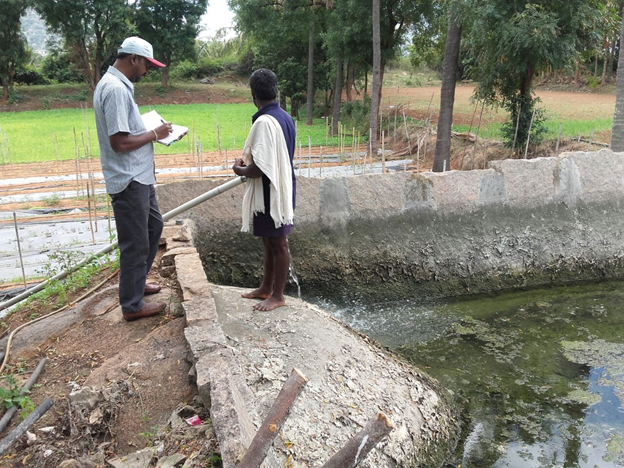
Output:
x=139 y=225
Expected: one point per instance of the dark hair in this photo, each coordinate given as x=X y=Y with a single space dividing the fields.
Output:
x=263 y=84
x=122 y=55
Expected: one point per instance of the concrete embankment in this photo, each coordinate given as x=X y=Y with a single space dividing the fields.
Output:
x=242 y=357
x=519 y=223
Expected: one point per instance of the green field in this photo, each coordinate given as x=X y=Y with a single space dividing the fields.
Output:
x=32 y=135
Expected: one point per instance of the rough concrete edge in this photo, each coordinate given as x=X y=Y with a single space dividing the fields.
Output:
x=220 y=381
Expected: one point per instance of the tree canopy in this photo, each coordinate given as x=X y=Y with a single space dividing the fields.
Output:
x=13 y=46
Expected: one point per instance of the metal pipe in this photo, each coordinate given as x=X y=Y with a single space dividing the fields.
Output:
x=26 y=424
x=10 y=412
x=166 y=217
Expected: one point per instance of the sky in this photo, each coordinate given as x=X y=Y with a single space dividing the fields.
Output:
x=218 y=15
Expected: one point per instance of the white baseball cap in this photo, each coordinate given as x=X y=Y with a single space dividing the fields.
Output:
x=138 y=46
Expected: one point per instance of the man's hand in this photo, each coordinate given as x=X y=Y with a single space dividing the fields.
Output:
x=241 y=169
x=164 y=130
x=238 y=164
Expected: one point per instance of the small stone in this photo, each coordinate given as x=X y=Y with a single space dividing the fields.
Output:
x=70 y=464
x=31 y=438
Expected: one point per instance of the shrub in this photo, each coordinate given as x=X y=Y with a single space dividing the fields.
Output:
x=357 y=114
x=57 y=67
x=30 y=76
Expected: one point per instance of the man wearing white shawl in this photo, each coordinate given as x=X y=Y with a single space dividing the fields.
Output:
x=269 y=200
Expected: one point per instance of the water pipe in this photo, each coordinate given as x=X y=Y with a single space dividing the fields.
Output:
x=166 y=217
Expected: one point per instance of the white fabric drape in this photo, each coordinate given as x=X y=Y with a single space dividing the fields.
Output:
x=266 y=146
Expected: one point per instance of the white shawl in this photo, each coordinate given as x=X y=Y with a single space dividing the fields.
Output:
x=266 y=146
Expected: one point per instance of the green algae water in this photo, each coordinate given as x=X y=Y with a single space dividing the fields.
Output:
x=539 y=375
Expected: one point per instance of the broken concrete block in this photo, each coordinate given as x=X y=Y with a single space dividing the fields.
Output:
x=168 y=259
x=172 y=244
x=86 y=397
x=219 y=385
x=199 y=310
x=172 y=461
x=141 y=459
x=184 y=234
x=204 y=339
x=191 y=276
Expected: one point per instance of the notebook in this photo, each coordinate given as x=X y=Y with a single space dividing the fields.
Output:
x=152 y=119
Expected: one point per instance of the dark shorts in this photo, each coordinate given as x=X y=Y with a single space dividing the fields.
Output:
x=264 y=226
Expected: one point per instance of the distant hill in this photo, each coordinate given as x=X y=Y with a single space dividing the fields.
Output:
x=36 y=32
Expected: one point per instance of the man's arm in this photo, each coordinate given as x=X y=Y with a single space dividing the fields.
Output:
x=252 y=171
x=123 y=142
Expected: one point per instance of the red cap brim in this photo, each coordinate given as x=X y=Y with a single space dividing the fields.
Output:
x=155 y=63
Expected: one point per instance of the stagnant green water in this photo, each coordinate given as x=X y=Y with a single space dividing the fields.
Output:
x=539 y=374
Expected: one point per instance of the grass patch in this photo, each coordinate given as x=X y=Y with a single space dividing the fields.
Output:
x=32 y=134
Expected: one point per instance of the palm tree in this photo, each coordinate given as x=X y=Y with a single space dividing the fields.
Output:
x=442 y=159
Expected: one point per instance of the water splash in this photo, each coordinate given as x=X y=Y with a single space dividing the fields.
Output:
x=291 y=271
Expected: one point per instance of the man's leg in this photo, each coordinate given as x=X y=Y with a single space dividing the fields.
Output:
x=266 y=288
x=131 y=208
x=154 y=227
x=278 y=247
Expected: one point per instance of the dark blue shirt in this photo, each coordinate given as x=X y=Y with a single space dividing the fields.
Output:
x=288 y=128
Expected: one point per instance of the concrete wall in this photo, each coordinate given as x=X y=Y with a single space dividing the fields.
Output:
x=517 y=224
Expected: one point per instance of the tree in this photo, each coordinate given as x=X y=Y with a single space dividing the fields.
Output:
x=279 y=34
x=442 y=158
x=171 y=26
x=511 y=41
x=376 y=96
x=92 y=30
x=617 y=135
x=13 y=46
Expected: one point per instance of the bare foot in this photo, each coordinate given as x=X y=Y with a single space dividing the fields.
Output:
x=257 y=294
x=269 y=304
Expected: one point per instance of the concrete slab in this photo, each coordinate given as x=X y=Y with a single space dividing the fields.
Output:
x=350 y=379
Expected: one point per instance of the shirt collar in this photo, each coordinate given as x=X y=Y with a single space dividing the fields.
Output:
x=264 y=110
x=121 y=78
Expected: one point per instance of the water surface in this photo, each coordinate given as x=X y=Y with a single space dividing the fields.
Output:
x=539 y=374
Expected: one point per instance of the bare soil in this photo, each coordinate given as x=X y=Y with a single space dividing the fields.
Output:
x=145 y=362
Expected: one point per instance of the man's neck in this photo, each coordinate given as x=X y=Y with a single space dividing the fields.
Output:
x=122 y=68
x=262 y=104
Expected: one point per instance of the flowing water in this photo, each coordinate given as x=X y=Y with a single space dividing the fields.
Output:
x=539 y=374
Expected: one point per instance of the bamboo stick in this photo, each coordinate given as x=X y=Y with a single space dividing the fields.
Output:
x=591 y=139
x=89 y=210
x=362 y=443
x=309 y=156
x=383 y=152
x=513 y=146
x=19 y=250
x=558 y=140
x=526 y=151
x=474 y=152
x=274 y=421
x=409 y=140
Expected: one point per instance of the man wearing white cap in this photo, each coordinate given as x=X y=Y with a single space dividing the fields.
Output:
x=127 y=154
